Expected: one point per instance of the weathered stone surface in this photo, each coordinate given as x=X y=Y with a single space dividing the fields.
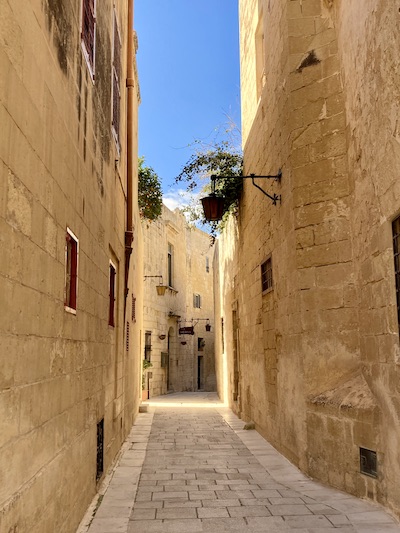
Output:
x=330 y=314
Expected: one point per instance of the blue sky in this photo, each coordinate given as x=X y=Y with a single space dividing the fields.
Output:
x=188 y=61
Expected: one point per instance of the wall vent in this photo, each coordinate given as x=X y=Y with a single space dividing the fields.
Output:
x=100 y=449
x=368 y=463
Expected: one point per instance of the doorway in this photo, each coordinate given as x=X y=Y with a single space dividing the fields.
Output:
x=167 y=369
x=200 y=372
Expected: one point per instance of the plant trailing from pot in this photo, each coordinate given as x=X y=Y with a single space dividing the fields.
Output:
x=219 y=159
x=149 y=192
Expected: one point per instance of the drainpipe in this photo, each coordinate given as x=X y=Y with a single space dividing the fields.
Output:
x=130 y=84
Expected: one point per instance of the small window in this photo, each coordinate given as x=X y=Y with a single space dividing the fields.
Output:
x=200 y=344
x=111 y=295
x=116 y=86
x=127 y=336
x=197 y=301
x=164 y=359
x=89 y=32
x=71 y=271
x=147 y=345
x=207 y=264
x=170 y=264
x=266 y=275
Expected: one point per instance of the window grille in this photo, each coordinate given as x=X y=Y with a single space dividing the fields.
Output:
x=89 y=30
x=396 y=252
x=71 y=270
x=147 y=345
x=116 y=73
x=266 y=275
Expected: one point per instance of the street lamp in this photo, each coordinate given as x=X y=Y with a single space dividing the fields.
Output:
x=160 y=288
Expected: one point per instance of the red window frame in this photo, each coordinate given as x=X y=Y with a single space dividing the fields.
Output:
x=112 y=295
x=71 y=270
x=88 y=32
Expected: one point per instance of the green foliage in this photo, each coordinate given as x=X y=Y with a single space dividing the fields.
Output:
x=149 y=192
x=221 y=159
x=146 y=364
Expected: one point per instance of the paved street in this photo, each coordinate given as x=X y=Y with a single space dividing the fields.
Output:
x=188 y=466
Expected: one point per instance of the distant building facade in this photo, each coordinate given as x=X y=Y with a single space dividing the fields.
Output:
x=178 y=326
x=69 y=345
x=306 y=290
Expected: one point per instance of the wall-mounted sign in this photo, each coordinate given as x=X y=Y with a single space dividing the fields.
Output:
x=187 y=330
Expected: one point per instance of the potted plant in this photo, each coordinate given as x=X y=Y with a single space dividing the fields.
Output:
x=145 y=391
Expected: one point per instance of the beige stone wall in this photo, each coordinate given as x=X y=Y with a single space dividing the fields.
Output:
x=60 y=373
x=164 y=315
x=316 y=357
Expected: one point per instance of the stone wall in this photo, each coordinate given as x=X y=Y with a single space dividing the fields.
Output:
x=316 y=357
x=164 y=315
x=61 y=372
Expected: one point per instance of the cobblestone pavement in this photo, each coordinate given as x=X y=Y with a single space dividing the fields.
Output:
x=194 y=469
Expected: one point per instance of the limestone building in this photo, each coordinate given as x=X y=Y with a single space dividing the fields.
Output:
x=307 y=288
x=177 y=257
x=69 y=363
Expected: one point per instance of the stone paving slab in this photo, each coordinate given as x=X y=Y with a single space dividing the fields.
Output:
x=188 y=466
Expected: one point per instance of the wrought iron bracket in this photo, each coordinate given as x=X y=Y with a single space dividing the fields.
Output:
x=277 y=177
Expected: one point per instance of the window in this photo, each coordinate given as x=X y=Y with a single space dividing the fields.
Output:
x=71 y=271
x=396 y=252
x=170 y=264
x=164 y=359
x=111 y=295
x=207 y=264
x=116 y=76
x=147 y=345
x=200 y=344
x=197 y=301
x=89 y=32
x=266 y=275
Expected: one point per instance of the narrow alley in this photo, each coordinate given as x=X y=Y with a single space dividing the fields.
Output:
x=189 y=466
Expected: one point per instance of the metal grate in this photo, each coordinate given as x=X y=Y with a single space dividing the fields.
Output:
x=100 y=449
x=396 y=252
x=133 y=309
x=266 y=275
x=368 y=463
x=127 y=336
x=147 y=345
